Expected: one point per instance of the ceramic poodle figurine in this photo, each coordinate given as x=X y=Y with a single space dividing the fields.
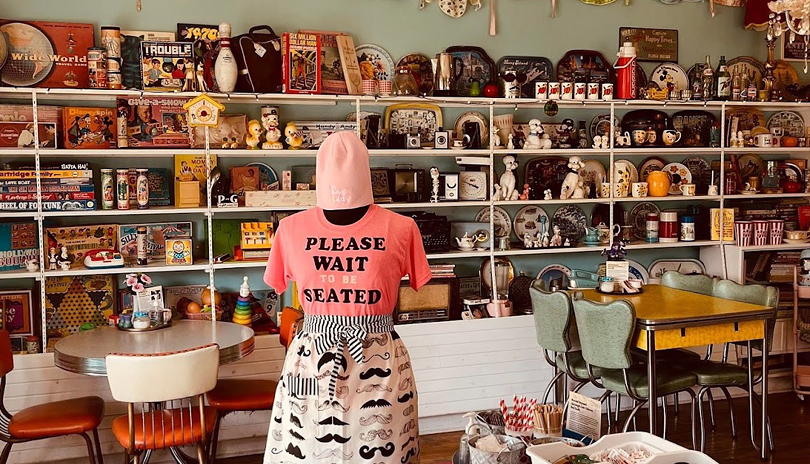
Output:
x=534 y=140
x=547 y=194
x=572 y=186
x=506 y=190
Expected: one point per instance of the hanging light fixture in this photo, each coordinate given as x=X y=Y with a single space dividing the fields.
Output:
x=796 y=14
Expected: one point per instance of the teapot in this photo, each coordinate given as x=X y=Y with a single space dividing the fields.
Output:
x=591 y=235
x=605 y=232
x=466 y=242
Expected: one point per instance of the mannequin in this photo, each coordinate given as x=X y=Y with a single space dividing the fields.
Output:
x=347 y=392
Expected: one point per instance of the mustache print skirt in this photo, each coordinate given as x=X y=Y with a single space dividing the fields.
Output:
x=346 y=395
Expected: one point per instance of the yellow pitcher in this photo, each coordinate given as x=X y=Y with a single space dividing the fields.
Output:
x=658 y=182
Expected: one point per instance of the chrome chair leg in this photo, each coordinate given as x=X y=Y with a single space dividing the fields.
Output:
x=711 y=409
x=731 y=412
x=693 y=399
x=632 y=415
x=700 y=395
x=552 y=383
x=677 y=405
x=618 y=407
x=664 y=415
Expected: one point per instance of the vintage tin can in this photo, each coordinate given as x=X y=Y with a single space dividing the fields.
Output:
x=97 y=67
x=140 y=242
x=111 y=41
x=122 y=188
x=32 y=344
x=114 y=79
x=142 y=188
x=107 y=189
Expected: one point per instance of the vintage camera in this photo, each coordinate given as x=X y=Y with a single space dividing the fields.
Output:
x=413 y=141
x=441 y=139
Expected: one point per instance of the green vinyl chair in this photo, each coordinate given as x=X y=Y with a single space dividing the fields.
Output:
x=723 y=375
x=606 y=332
x=556 y=331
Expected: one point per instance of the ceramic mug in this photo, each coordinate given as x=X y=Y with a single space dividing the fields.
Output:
x=688 y=190
x=607 y=91
x=620 y=189
x=593 y=91
x=541 y=90
x=553 y=90
x=604 y=189
x=607 y=285
x=639 y=189
x=639 y=136
x=764 y=140
x=652 y=136
x=579 y=90
x=458 y=144
x=566 y=90
x=671 y=137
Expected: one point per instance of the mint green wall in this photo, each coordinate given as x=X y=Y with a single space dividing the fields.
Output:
x=524 y=27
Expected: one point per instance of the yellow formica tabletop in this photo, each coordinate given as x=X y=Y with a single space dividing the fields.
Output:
x=682 y=319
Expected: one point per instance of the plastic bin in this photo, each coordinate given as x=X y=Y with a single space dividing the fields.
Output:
x=660 y=448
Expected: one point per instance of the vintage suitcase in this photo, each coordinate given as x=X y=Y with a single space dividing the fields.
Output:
x=258 y=57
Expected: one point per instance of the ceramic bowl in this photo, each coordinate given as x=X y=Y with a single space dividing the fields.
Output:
x=635 y=283
x=796 y=234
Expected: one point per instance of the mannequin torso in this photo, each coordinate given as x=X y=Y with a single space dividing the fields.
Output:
x=345 y=217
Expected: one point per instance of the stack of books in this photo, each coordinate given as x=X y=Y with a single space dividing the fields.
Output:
x=440 y=270
x=65 y=187
x=782 y=266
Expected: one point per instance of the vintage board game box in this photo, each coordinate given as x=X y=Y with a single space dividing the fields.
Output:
x=301 y=54
x=48 y=174
x=18 y=243
x=46 y=54
x=156 y=235
x=89 y=127
x=158 y=179
x=56 y=205
x=727 y=224
x=81 y=239
x=193 y=164
x=165 y=65
x=153 y=122
x=17 y=312
x=131 y=54
x=17 y=126
x=315 y=132
x=172 y=295
x=71 y=302
x=205 y=40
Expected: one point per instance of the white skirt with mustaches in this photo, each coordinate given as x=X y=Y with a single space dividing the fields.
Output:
x=346 y=395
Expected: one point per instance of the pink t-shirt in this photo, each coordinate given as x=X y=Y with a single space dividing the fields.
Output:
x=352 y=270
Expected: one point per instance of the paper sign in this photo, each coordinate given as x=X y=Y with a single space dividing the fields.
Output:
x=584 y=416
x=619 y=270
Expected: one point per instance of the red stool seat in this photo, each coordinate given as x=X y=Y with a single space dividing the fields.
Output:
x=162 y=429
x=242 y=395
x=59 y=418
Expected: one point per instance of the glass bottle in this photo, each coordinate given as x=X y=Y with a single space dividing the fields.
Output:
x=404 y=82
x=744 y=83
x=736 y=86
x=770 y=183
x=708 y=80
x=722 y=80
x=697 y=81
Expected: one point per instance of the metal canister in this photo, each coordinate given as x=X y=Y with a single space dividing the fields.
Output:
x=32 y=344
x=97 y=67
x=122 y=188
x=107 y=189
x=652 y=227
x=140 y=242
x=114 y=79
x=142 y=188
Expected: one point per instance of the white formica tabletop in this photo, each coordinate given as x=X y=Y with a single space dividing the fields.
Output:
x=86 y=352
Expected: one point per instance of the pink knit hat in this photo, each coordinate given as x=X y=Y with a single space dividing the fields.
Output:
x=342 y=173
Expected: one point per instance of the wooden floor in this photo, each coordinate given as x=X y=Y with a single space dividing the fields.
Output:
x=790 y=420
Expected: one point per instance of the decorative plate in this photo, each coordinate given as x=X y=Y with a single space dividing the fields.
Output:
x=453 y=8
x=701 y=172
x=572 y=222
x=653 y=163
x=670 y=76
x=684 y=266
x=750 y=165
x=749 y=65
x=590 y=64
x=597 y=2
x=747 y=118
x=601 y=214
x=268 y=180
x=405 y=118
x=535 y=68
x=474 y=116
x=477 y=65
x=375 y=62
x=422 y=70
x=678 y=175
x=786 y=123
x=557 y=272
x=528 y=220
x=791 y=171
x=503 y=224
x=638 y=271
x=638 y=218
x=600 y=125
x=592 y=171
x=759 y=130
x=544 y=173
x=624 y=172
x=785 y=75
x=695 y=127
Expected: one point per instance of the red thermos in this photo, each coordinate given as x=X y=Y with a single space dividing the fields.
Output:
x=626 y=72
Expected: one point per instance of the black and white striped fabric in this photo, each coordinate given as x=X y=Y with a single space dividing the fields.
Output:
x=345 y=332
x=302 y=386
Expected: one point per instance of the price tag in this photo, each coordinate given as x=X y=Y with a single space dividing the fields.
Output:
x=619 y=270
x=259 y=50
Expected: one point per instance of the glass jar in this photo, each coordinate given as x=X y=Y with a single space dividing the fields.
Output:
x=652 y=227
x=404 y=82
x=141 y=320
x=668 y=227
x=688 y=229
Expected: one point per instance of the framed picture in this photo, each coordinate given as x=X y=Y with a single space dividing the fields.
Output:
x=651 y=44
x=17 y=311
x=791 y=51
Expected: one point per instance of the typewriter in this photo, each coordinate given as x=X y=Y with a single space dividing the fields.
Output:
x=435 y=230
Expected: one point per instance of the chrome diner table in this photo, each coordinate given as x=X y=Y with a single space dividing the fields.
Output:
x=669 y=318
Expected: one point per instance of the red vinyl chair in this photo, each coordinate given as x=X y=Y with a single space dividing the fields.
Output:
x=78 y=416
x=247 y=395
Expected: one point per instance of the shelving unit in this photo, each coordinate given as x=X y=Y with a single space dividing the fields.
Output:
x=488 y=106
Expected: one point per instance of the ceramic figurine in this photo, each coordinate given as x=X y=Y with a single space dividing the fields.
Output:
x=525 y=195
x=63 y=258
x=270 y=125
x=294 y=139
x=528 y=240
x=254 y=134
x=545 y=142
x=565 y=131
x=510 y=145
x=65 y=265
x=622 y=140
x=572 y=186
x=244 y=289
x=434 y=176
x=506 y=190
x=31 y=265
x=200 y=73
x=556 y=239
x=52 y=255
x=226 y=143
x=533 y=140
x=740 y=139
x=496 y=139
x=597 y=142
x=567 y=243
x=545 y=243
x=225 y=69
x=190 y=84
x=547 y=194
